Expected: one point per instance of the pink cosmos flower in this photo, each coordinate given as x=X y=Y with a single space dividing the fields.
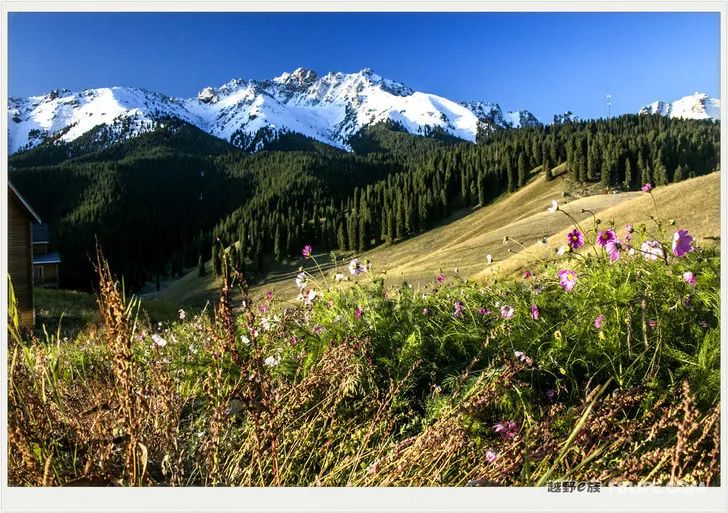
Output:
x=527 y=274
x=628 y=231
x=605 y=237
x=522 y=357
x=358 y=312
x=490 y=456
x=507 y=311
x=440 y=278
x=567 y=279
x=682 y=243
x=484 y=311
x=613 y=248
x=575 y=239
x=598 y=321
x=269 y=295
x=535 y=312
x=689 y=278
x=458 y=309
x=306 y=251
x=506 y=429
x=647 y=187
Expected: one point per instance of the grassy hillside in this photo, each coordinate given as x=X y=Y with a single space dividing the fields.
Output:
x=464 y=240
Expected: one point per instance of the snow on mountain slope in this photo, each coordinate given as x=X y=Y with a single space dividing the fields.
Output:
x=330 y=109
x=694 y=106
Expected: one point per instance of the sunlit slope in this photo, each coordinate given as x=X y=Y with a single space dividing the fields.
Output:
x=463 y=242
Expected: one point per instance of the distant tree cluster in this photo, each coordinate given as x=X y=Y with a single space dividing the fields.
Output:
x=171 y=199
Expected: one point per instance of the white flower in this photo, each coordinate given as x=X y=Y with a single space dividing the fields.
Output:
x=355 y=266
x=272 y=361
x=245 y=340
x=554 y=206
x=265 y=323
x=311 y=296
x=159 y=340
x=181 y=314
x=489 y=258
x=562 y=250
x=339 y=277
x=193 y=349
x=652 y=250
x=301 y=280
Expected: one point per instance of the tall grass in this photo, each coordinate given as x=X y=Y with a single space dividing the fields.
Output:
x=362 y=385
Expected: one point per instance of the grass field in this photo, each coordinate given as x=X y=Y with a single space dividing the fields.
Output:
x=462 y=242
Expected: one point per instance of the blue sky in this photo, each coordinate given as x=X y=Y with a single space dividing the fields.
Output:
x=543 y=62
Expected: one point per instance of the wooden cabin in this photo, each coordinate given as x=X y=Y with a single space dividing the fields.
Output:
x=20 y=254
x=45 y=263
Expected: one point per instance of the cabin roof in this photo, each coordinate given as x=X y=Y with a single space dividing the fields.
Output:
x=47 y=258
x=13 y=191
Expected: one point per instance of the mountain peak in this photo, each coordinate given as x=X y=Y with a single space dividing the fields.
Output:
x=695 y=106
x=299 y=77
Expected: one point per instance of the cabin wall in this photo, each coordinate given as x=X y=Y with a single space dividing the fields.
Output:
x=20 y=260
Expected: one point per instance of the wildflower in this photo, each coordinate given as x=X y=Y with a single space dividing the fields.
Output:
x=613 y=248
x=598 y=321
x=535 y=312
x=317 y=329
x=506 y=429
x=653 y=323
x=490 y=456
x=269 y=295
x=689 y=278
x=703 y=324
x=652 y=250
x=338 y=277
x=293 y=340
x=563 y=250
x=245 y=340
x=554 y=206
x=355 y=267
x=301 y=281
x=489 y=258
x=484 y=311
x=358 y=312
x=567 y=279
x=647 y=187
x=575 y=239
x=310 y=296
x=262 y=308
x=426 y=311
x=507 y=311
x=440 y=278
x=628 y=231
x=527 y=275
x=159 y=340
x=605 y=237
x=192 y=348
x=306 y=251
x=272 y=361
x=265 y=323
x=182 y=314
x=521 y=356
x=551 y=394
x=458 y=309
x=682 y=243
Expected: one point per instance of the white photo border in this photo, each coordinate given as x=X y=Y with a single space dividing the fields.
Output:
x=665 y=499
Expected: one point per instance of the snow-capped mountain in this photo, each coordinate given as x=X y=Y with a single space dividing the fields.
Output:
x=330 y=108
x=694 y=106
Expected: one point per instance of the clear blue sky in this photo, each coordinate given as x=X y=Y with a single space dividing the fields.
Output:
x=543 y=62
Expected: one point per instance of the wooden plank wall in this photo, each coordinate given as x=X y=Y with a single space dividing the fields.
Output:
x=20 y=260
